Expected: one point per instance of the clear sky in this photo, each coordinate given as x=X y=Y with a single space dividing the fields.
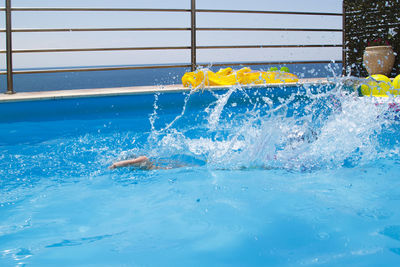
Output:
x=156 y=19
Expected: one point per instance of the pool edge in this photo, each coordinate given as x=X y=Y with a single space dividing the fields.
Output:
x=117 y=91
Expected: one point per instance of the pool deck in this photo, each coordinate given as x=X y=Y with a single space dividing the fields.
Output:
x=98 y=92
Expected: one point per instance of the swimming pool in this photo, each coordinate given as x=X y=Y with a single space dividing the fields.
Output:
x=280 y=176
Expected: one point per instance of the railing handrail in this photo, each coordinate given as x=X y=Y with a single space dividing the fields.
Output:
x=53 y=50
x=193 y=29
x=269 y=12
x=97 y=29
x=99 y=9
x=175 y=29
x=102 y=9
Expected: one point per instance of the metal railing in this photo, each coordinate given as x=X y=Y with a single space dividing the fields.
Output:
x=193 y=30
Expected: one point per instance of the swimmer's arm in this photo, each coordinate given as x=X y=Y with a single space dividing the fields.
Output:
x=141 y=161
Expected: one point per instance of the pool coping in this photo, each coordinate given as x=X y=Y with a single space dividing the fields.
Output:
x=117 y=91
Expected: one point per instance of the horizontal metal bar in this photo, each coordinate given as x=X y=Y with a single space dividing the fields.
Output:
x=100 y=9
x=99 y=29
x=164 y=48
x=266 y=46
x=167 y=66
x=99 y=69
x=172 y=10
x=97 y=49
x=273 y=63
x=270 y=29
x=269 y=12
x=175 y=29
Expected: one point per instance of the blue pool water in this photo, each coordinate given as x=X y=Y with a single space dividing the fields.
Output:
x=272 y=177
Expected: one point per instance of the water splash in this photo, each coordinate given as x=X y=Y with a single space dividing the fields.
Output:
x=293 y=128
x=302 y=131
x=215 y=113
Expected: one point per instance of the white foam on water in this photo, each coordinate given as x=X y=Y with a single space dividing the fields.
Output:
x=326 y=130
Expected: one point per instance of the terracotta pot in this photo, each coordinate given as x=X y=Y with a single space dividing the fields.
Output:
x=378 y=59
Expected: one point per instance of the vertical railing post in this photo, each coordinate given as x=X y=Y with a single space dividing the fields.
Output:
x=10 y=89
x=344 y=63
x=193 y=35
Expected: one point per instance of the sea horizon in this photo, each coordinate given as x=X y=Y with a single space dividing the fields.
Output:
x=140 y=77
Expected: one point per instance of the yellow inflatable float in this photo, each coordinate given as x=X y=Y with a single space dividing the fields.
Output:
x=380 y=86
x=396 y=82
x=228 y=76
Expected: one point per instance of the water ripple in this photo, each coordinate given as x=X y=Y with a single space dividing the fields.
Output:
x=79 y=241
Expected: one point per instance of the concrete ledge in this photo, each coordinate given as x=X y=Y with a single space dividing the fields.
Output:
x=97 y=92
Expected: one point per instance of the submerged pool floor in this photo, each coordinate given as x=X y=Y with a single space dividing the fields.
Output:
x=306 y=177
